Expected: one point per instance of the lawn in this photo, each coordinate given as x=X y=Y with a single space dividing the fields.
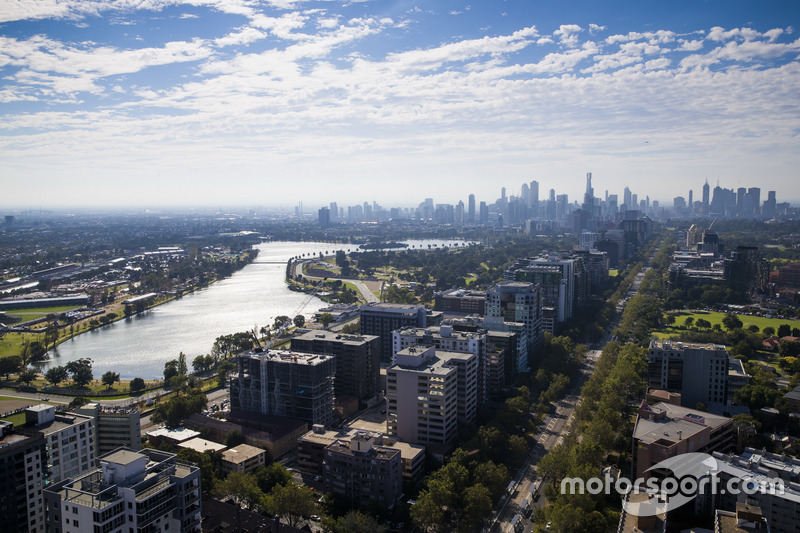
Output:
x=716 y=318
x=39 y=312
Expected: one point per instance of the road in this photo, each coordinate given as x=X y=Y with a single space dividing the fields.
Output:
x=526 y=485
x=367 y=294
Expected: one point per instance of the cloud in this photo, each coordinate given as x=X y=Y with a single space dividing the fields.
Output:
x=567 y=34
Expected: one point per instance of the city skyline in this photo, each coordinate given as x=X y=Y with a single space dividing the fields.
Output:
x=233 y=103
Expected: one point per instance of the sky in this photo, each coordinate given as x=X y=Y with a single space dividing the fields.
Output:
x=265 y=103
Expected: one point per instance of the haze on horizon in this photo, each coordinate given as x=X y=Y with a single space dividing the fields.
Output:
x=267 y=103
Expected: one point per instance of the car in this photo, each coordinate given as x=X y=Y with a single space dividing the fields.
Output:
x=548 y=525
x=316 y=518
x=317 y=478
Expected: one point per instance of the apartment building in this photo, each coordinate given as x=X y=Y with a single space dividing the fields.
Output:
x=356 y=359
x=514 y=302
x=428 y=393
x=363 y=472
x=382 y=318
x=284 y=383
x=70 y=440
x=701 y=373
x=665 y=430
x=445 y=338
x=23 y=477
x=146 y=491
x=114 y=427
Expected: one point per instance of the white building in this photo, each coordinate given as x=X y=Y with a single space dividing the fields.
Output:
x=131 y=491
x=69 y=437
x=444 y=338
x=428 y=393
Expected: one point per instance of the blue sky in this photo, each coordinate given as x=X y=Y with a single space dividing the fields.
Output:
x=256 y=103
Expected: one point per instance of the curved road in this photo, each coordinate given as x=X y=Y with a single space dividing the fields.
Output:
x=368 y=295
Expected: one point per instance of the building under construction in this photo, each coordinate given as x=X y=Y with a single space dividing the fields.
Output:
x=285 y=383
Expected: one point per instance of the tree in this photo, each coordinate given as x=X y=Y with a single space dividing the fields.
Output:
x=56 y=375
x=27 y=375
x=784 y=330
x=200 y=364
x=426 y=513
x=325 y=319
x=109 y=378
x=81 y=371
x=224 y=368
x=37 y=352
x=137 y=385
x=299 y=321
x=769 y=331
x=702 y=323
x=688 y=322
x=171 y=370
x=731 y=322
x=357 y=522
x=242 y=488
x=477 y=506
x=173 y=411
x=183 y=369
x=268 y=477
x=281 y=322
x=292 y=501
x=9 y=365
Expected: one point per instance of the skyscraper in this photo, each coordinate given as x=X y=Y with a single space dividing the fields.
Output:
x=627 y=198
x=471 y=211
x=706 y=194
x=534 y=197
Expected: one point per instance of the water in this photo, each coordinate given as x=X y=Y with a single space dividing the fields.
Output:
x=252 y=297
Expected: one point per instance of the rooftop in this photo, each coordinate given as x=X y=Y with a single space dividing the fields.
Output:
x=241 y=453
x=673 y=423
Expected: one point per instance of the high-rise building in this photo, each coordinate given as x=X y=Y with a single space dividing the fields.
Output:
x=23 y=463
x=701 y=373
x=534 y=197
x=324 y=215
x=334 y=211
x=70 y=440
x=706 y=198
x=148 y=490
x=516 y=302
x=627 y=199
x=447 y=339
x=382 y=318
x=484 y=214
x=364 y=473
x=556 y=276
x=428 y=393
x=357 y=360
x=284 y=383
x=471 y=209
x=114 y=427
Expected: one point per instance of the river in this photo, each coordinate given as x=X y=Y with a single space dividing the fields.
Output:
x=252 y=297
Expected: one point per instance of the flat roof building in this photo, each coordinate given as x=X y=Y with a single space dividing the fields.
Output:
x=23 y=463
x=70 y=440
x=429 y=393
x=242 y=458
x=665 y=430
x=285 y=383
x=382 y=318
x=356 y=359
x=148 y=490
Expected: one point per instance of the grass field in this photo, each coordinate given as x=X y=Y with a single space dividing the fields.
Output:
x=39 y=312
x=716 y=318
